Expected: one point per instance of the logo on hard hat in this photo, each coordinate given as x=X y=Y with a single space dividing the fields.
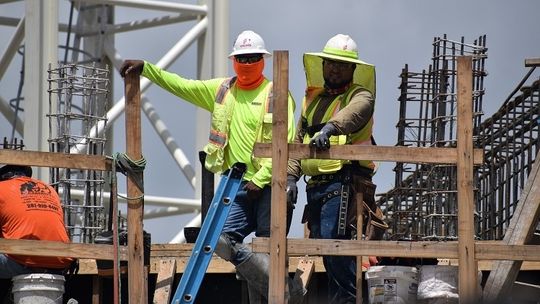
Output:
x=246 y=43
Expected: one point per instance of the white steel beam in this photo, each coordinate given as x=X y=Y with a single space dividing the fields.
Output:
x=41 y=43
x=152 y=200
x=212 y=62
x=12 y=47
x=136 y=25
x=155 y=5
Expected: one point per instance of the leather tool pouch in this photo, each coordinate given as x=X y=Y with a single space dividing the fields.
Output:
x=374 y=226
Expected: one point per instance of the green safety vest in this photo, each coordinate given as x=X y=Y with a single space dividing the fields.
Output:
x=219 y=129
x=312 y=167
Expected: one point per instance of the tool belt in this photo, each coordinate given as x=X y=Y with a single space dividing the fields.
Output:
x=353 y=180
x=374 y=226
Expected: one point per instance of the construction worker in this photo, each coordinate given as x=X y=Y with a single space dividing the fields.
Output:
x=337 y=110
x=241 y=109
x=30 y=209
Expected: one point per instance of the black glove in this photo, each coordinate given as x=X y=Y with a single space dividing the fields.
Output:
x=292 y=191
x=131 y=66
x=322 y=140
x=253 y=191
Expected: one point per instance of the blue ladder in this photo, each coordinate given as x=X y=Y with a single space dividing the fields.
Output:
x=209 y=235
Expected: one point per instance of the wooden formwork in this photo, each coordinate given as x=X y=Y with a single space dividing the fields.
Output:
x=466 y=250
x=133 y=253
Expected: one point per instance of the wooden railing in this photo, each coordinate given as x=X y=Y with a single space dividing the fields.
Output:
x=464 y=156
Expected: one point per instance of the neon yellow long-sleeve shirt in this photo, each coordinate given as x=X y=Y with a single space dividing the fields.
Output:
x=245 y=120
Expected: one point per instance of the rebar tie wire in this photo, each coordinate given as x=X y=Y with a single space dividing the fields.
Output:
x=125 y=165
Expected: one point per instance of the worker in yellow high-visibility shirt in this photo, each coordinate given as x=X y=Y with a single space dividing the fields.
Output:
x=337 y=110
x=241 y=109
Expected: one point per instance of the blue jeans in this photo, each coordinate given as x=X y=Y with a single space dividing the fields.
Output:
x=341 y=270
x=9 y=268
x=247 y=216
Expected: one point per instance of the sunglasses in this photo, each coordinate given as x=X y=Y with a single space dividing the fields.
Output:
x=337 y=64
x=247 y=58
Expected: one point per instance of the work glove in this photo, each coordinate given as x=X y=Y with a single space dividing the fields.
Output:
x=292 y=191
x=131 y=66
x=253 y=191
x=322 y=140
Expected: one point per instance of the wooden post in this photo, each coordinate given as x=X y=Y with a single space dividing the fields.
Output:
x=136 y=274
x=468 y=270
x=359 y=198
x=280 y=154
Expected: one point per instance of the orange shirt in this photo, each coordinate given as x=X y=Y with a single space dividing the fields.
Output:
x=30 y=209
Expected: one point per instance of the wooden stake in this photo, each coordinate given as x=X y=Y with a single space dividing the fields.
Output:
x=468 y=268
x=359 y=198
x=278 y=214
x=165 y=280
x=138 y=290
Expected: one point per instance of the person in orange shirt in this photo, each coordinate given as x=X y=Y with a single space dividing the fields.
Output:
x=30 y=209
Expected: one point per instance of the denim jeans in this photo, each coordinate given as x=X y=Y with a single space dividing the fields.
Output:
x=247 y=216
x=341 y=270
x=9 y=268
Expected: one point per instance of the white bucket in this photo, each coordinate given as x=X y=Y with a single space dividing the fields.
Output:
x=38 y=288
x=392 y=284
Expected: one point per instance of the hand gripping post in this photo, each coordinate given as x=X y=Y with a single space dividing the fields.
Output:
x=209 y=235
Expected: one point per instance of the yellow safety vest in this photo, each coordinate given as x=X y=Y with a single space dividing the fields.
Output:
x=313 y=167
x=219 y=129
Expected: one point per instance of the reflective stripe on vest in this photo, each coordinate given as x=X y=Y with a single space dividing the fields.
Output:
x=361 y=137
x=219 y=131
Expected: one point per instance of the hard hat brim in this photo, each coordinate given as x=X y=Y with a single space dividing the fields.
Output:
x=265 y=53
x=364 y=74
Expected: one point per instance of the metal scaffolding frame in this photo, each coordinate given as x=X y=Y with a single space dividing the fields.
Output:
x=78 y=97
x=90 y=35
x=423 y=205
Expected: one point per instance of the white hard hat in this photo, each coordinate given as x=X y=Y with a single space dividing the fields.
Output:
x=249 y=42
x=341 y=48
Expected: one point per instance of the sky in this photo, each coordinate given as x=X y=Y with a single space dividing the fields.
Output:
x=389 y=34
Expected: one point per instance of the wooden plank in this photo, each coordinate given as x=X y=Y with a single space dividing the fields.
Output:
x=375 y=153
x=532 y=62
x=278 y=214
x=426 y=249
x=49 y=248
x=136 y=276
x=297 y=248
x=304 y=271
x=164 y=281
x=468 y=276
x=55 y=160
x=218 y=265
x=520 y=231
x=320 y=247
